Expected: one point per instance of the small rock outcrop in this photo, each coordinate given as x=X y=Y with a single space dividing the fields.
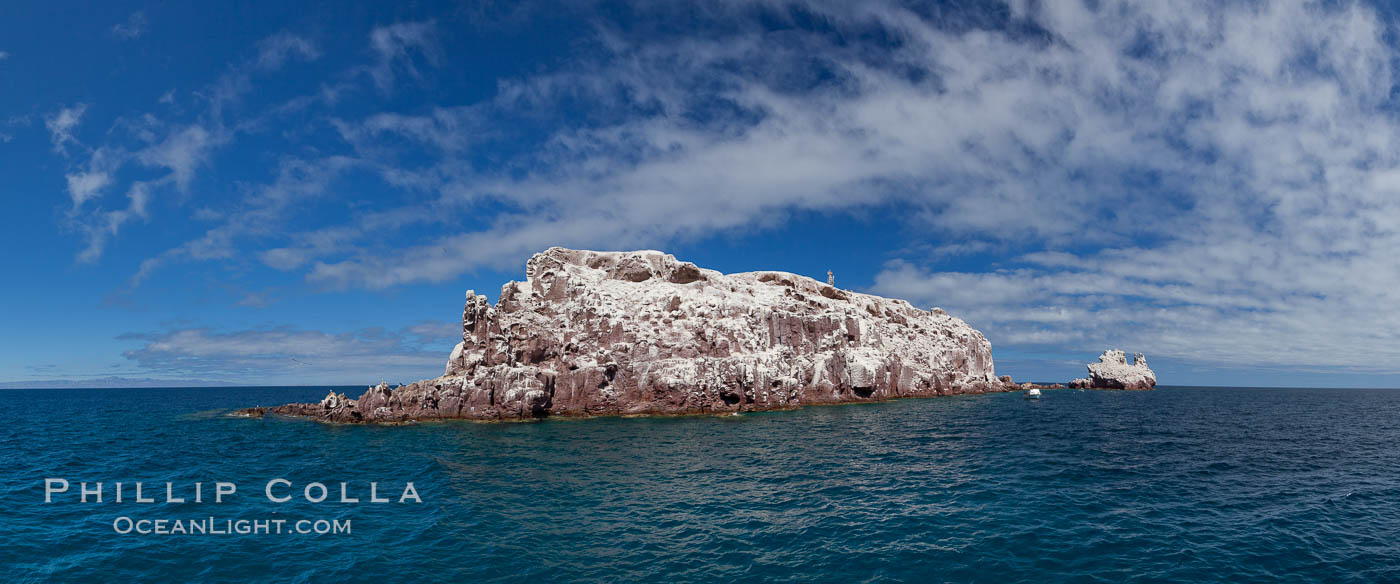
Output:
x=1113 y=372
x=629 y=333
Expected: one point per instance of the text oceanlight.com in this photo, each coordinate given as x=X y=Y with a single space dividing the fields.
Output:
x=214 y=526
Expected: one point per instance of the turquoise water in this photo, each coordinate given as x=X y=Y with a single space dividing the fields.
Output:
x=1174 y=485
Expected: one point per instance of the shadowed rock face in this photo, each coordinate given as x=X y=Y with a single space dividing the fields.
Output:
x=625 y=333
x=1113 y=372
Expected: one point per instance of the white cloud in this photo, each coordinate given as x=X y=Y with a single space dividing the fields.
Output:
x=395 y=46
x=180 y=149
x=311 y=245
x=61 y=125
x=274 y=51
x=272 y=54
x=7 y=125
x=1275 y=254
x=1233 y=179
x=133 y=28
x=181 y=152
x=285 y=353
x=107 y=224
x=85 y=185
x=89 y=181
x=449 y=130
x=1207 y=181
x=261 y=214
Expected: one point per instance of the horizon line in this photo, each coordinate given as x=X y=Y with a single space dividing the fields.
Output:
x=335 y=385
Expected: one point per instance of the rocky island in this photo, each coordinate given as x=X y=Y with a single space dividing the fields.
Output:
x=1113 y=372
x=591 y=333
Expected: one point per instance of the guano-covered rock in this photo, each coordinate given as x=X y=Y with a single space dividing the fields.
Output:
x=1113 y=372
x=592 y=333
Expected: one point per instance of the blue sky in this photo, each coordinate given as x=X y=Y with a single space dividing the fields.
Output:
x=300 y=193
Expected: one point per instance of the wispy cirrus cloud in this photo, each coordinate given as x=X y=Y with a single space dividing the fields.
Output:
x=276 y=50
x=1147 y=175
x=1271 y=250
x=397 y=47
x=132 y=28
x=1220 y=175
x=61 y=125
x=263 y=213
x=178 y=148
x=11 y=123
x=286 y=354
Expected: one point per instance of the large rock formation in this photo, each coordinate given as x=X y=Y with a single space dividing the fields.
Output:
x=1113 y=372
x=623 y=333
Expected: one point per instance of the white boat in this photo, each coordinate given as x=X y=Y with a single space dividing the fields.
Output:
x=1033 y=393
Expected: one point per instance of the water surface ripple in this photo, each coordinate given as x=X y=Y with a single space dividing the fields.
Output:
x=1173 y=485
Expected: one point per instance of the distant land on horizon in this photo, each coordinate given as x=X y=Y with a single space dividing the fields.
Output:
x=111 y=382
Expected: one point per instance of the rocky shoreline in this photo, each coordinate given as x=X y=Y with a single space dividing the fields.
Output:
x=641 y=333
x=323 y=411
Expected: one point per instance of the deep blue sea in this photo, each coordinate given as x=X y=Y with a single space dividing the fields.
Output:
x=1172 y=485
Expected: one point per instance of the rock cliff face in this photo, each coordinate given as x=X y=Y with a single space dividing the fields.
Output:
x=1113 y=372
x=626 y=333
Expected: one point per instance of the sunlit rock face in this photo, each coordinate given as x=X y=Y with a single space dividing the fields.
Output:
x=1113 y=372
x=629 y=333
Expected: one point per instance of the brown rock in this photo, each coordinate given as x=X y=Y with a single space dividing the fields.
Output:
x=625 y=333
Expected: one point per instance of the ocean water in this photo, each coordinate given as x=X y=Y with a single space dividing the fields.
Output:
x=1172 y=485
